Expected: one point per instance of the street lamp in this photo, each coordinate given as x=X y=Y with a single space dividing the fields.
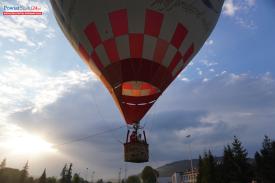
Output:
x=87 y=172
x=93 y=176
x=190 y=154
x=125 y=171
x=119 y=175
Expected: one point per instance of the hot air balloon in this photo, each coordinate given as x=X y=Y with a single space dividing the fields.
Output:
x=137 y=48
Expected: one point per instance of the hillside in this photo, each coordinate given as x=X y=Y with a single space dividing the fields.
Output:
x=177 y=166
x=10 y=175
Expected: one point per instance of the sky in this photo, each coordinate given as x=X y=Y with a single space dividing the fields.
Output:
x=48 y=97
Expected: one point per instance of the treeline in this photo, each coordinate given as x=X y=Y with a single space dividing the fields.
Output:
x=236 y=167
x=10 y=175
x=148 y=175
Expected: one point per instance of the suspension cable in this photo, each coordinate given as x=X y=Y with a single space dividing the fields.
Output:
x=88 y=136
x=101 y=116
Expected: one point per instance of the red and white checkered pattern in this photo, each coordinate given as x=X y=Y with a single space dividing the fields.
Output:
x=130 y=43
x=147 y=45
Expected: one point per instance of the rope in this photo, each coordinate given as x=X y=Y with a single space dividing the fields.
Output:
x=97 y=107
x=150 y=115
x=96 y=134
x=101 y=116
x=88 y=136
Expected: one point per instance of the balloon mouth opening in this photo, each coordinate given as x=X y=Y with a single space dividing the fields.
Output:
x=138 y=89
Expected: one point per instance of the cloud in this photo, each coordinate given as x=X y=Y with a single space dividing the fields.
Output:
x=25 y=87
x=9 y=57
x=240 y=11
x=23 y=2
x=10 y=29
x=185 y=79
x=69 y=105
x=209 y=42
x=55 y=87
x=199 y=71
x=23 y=29
x=13 y=55
x=251 y=3
x=50 y=33
x=205 y=80
x=22 y=89
x=208 y=63
x=249 y=24
x=230 y=8
x=212 y=112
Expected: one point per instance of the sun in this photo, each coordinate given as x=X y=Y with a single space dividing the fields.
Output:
x=29 y=144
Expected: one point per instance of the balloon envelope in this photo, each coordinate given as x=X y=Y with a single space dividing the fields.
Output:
x=137 y=47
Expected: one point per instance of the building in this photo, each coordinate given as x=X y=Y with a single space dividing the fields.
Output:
x=177 y=177
x=190 y=176
x=164 y=180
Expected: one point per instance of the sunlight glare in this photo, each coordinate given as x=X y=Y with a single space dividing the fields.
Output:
x=29 y=144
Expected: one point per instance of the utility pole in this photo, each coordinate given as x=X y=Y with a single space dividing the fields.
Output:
x=86 y=175
x=119 y=176
x=93 y=176
x=125 y=172
x=190 y=154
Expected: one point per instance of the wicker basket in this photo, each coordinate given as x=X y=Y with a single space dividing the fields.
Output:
x=136 y=152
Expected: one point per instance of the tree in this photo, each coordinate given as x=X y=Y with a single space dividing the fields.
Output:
x=227 y=166
x=63 y=174
x=69 y=174
x=148 y=175
x=200 y=170
x=3 y=164
x=2 y=167
x=243 y=170
x=43 y=178
x=100 y=181
x=235 y=167
x=239 y=152
x=51 y=180
x=30 y=180
x=76 y=178
x=207 y=169
x=24 y=173
x=133 y=179
x=265 y=162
